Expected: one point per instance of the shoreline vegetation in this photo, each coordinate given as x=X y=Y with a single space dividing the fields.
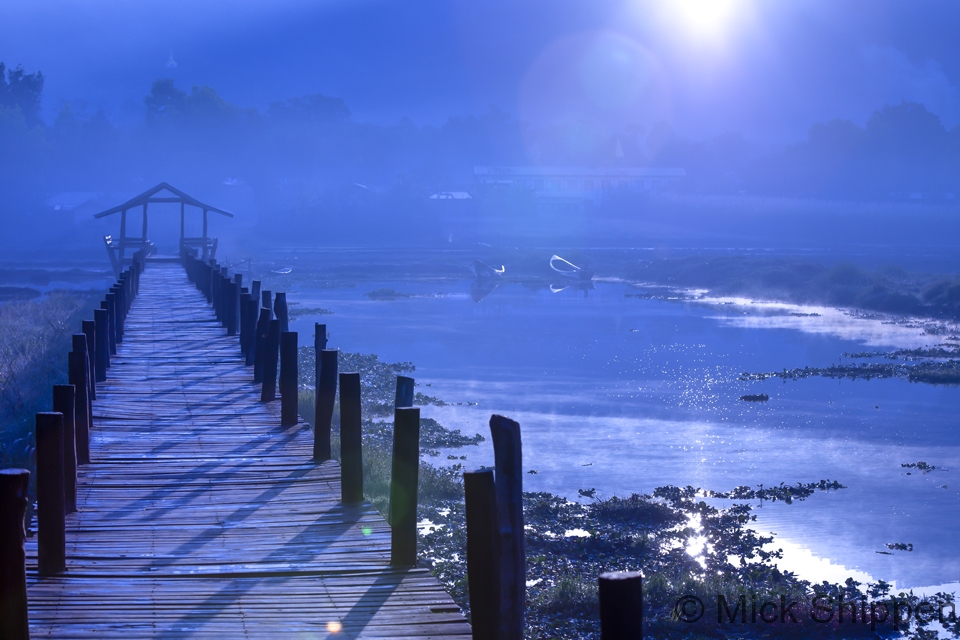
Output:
x=35 y=336
x=568 y=544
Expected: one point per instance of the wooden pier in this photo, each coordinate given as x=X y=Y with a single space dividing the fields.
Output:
x=200 y=516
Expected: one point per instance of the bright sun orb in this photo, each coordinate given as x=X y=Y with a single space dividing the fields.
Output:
x=705 y=18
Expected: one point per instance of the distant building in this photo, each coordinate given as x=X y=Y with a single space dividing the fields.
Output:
x=451 y=195
x=581 y=184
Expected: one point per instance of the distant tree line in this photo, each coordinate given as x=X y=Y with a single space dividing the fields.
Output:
x=308 y=151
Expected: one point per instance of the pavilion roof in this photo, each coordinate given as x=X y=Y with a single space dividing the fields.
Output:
x=150 y=195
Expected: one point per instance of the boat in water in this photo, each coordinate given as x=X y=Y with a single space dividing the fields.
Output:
x=482 y=270
x=567 y=269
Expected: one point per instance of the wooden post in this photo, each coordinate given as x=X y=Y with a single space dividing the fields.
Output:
x=235 y=302
x=289 y=384
x=51 y=523
x=206 y=250
x=13 y=571
x=90 y=330
x=123 y=235
x=118 y=309
x=266 y=300
x=244 y=321
x=182 y=223
x=621 y=605
x=108 y=305
x=271 y=355
x=65 y=403
x=404 y=392
x=260 y=344
x=78 y=378
x=102 y=348
x=325 y=397
x=255 y=290
x=403 y=486
x=280 y=309
x=483 y=536
x=144 y=229
x=319 y=337
x=351 y=440
x=252 y=309
x=231 y=291
x=81 y=346
x=509 y=490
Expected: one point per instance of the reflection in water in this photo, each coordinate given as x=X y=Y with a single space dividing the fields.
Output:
x=482 y=287
x=576 y=286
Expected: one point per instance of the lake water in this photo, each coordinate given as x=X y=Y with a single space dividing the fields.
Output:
x=625 y=394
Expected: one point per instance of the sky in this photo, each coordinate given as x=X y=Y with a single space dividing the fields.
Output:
x=768 y=69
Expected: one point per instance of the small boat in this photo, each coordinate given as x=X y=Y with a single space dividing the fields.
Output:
x=569 y=270
x=482 y=270
x=284 y=271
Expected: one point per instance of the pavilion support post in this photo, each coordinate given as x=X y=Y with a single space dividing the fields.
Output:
x=483 y=550
x=144 y=234
x=14 y=484
x=51 y=521
x=90 y=330
x=326 y=397
x=65 y=403
x=123 y=235
x=289 y=383
x=403 y=487
x=271 y=357
x=351 y=440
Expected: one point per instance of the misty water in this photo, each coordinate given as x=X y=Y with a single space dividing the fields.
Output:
x=625 y=394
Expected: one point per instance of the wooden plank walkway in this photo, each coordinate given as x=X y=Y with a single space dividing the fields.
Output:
x=199 y=516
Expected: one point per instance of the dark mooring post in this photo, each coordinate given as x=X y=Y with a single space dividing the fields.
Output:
x=13 y=571
x=266 y=300
x=51 y=523
x=255 y=290
x=289 y=383
x=280 y=309
x=102 y=345
x=260 y=344
x=78 y=378
x=621 y=605
x=509 y=491
x=90 y=330
x=483 y=577
x=404 y=396
x=326 y=397
x=271 y=356
x=351 y=441
x=65 y=403
x=403 y=487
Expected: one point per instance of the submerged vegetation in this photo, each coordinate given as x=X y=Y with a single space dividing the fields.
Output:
x=687 y=541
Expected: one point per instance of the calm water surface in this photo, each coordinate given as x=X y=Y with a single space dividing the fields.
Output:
x=624 y=395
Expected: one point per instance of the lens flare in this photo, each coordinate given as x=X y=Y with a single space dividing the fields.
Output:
x=334 y=626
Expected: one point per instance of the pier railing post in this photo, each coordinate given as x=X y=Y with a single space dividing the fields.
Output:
x=621 y=605
x=82 y=415
x=111 y=342
x=271 y=357
x=325 y=398
x=13 y=571
x=102 y=342
x=403 y=486
x=289 y=383
x=281 y=311
x=90 y=330
x=483 y=536
x=351 y=439
x=251 y=310
x=508 y=484
x=244 y=320
x=65 y=403
x=404 y=397
x=260 y=344
x=51 y=520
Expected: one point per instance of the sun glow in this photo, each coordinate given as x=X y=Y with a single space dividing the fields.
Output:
x=706 y=19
